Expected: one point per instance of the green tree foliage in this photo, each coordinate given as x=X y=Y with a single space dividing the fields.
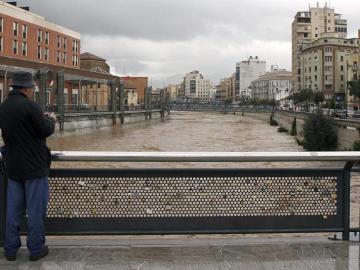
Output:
x=354 y=87
x=228 y=101
x=293 y=131
x=318 y=97
x=320 y=133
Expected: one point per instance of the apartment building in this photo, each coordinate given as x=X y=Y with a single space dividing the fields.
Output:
x=353 y=73
x=309 y=26
x=197 y=87
x=276 y=85
x=225 y=91
x=247 y=72
x=28 y=36
x=323 y=64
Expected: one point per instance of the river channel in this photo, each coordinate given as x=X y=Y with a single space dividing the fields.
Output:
x=190 y=132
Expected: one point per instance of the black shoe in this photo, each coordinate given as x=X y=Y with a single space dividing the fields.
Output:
x=42 y=254
x=10 y=258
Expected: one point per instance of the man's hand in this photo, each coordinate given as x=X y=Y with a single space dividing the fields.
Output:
x=50 y=115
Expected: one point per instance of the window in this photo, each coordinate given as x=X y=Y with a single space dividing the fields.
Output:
x=328 y=86
x=46 y=54
x=58 y=56
x=64 y=58
x=309 y=69
x=316 y=77
x=15 y=46
x=328 y=58
x=24 y=48
x=58 y=41
x=47 y=38
x=342 y=77
x=342 y=68
x=1 y=24
x=306 y=35
x=328 y=49
x=25 y=31
x=316 y=35
x=315 y=68
x=15 y=28
x=65 y=43
x=39 y=35
x=1 y=44
x=39 y=52
x=75 y=46
x=342 y=58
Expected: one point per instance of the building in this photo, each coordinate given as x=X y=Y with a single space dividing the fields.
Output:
x=27 y=36
x=29 y=42
x=273 y=86
x=139 y=84
x=307 y=27
x=197 y=87
x=172 y=91
x=94 y=63
x=323 y=64
x=247 y=72
x=225 y=91
x=353 y=73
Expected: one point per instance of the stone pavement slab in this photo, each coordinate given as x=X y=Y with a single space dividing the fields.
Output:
x=207 y=254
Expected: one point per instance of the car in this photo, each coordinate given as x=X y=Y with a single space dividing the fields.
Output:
x=356 y=114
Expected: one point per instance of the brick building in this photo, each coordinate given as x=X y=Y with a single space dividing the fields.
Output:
x=138 y=84
x=25 y=35
x=30 y=42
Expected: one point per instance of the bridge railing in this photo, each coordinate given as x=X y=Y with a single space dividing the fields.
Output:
x=187 y=201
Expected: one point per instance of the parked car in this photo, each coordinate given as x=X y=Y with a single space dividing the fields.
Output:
x=356 y=114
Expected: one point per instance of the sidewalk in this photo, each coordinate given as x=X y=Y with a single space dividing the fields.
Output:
x=198 y=253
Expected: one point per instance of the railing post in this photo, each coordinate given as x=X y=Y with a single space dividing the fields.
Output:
x=42 y=88
x=346 y=200
x=162 y=103
x=146 y=103
x=60 y=98
x=3 y=187
x=149 y=99
x=122 y=101
x=113 y=100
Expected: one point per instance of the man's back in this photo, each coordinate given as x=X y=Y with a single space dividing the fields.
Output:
x=24 y=131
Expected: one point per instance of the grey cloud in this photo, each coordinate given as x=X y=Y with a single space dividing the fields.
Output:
x=165 y=19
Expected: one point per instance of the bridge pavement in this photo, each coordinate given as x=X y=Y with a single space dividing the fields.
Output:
x=189 y=252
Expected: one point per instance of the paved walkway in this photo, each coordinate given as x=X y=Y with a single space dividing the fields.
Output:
x=200 y=253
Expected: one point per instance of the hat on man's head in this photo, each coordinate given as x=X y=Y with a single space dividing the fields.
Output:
x=23 y=79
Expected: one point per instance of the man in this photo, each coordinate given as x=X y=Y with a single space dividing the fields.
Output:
x=24 y=130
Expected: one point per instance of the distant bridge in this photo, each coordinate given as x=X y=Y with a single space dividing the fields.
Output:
x=219 y=107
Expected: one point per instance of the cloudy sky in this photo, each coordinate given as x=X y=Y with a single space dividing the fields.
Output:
x=164 y=39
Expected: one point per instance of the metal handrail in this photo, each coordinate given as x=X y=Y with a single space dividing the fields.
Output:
x=203 y=156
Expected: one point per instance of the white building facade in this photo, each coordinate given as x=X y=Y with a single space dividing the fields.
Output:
x=197 y=87
x=247 y=72
x=273 y=86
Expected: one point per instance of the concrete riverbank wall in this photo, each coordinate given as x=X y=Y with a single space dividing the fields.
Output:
x=348 y=130
x=76 y=122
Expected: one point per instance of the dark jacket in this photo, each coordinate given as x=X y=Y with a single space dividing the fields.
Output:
x=24 y=130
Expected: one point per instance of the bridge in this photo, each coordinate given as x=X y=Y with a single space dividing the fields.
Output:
x=158 y=201
x=218 y=107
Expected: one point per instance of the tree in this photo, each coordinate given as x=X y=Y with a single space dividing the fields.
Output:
x=318 y=97
x=354 y=87
x=319 y=133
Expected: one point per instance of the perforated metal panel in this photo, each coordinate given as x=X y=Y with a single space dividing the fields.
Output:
x=183 y=196
x=167 y=201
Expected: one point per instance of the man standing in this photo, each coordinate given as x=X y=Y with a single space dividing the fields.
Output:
x=24 y=130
